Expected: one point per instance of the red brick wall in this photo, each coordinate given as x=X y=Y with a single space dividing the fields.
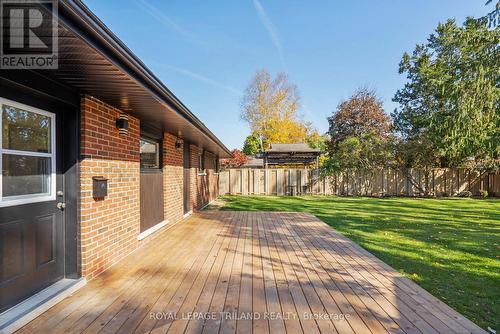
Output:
x=99 y=136
x=109 y=227
x=194 y=151
x=173 y=179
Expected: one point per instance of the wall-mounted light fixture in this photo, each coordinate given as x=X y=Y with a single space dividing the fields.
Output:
x=178 y=144
x=122 y=124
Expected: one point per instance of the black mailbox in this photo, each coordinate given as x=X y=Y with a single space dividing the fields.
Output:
x=100 y=186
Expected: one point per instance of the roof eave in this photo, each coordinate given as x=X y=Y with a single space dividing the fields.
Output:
x=98 y=30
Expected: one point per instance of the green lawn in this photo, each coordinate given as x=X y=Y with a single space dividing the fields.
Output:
x=450 y=247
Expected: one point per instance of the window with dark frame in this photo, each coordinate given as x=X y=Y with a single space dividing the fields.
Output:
x=150 y=154
x=216 y=164
x=201 y=163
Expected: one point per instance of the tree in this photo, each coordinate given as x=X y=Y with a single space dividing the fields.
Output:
x=417 y=152
x=360 y=133
x=348 y=154
x=252 y=145
x=286 y=130
x=270 y=106
x=451 y=99
x=238 y=159
x=359 y=115
x=318 y=141
x=493 y=18
x=365 y=152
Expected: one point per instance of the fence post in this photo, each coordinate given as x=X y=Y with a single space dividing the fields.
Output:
x=242 y=176
x=266 y=186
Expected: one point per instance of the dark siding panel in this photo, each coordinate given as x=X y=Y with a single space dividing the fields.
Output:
x=151 y=199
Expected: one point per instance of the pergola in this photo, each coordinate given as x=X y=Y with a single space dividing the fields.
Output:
x=290 y=155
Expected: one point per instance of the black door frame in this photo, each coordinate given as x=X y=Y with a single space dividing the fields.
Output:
x=32 y=88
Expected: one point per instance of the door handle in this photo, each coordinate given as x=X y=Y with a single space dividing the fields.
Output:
x=61 y=205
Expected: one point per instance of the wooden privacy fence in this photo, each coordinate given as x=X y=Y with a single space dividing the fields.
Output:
x=379 y=182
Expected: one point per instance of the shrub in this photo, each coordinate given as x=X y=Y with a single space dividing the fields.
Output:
x=483 y=193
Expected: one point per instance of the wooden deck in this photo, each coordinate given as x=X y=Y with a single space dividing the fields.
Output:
x=244 y=272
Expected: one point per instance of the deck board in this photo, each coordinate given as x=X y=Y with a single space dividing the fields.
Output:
x=244 y=272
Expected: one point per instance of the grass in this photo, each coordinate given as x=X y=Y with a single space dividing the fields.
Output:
x=450 y=247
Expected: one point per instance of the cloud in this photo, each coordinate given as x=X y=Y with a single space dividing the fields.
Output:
x=202 y=78
x=167 y=21
x=271 y=29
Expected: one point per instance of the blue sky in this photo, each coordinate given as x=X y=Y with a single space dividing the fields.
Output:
x=206 y=52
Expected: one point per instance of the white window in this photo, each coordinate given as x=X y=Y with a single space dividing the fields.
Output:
x=27 y=154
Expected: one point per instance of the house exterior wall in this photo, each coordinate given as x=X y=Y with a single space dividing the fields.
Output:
x=194 y=151
x=109 y=227
x=173 y=179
